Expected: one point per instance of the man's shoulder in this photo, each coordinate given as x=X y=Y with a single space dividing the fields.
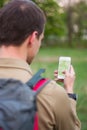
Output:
x=53 y=94
x=52 y=88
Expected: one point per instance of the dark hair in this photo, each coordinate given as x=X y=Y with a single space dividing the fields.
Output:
x=18 y=19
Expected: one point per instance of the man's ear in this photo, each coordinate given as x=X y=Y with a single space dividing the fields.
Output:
x=32 y=37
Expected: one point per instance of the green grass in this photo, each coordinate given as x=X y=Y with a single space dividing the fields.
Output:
x=48 y=58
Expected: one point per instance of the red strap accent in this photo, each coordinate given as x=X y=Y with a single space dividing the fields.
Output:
x=1 y=128
x=39 y=84
x=36 y=122
x=36 y=87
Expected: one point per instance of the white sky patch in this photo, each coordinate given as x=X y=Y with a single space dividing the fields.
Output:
x=67 y=2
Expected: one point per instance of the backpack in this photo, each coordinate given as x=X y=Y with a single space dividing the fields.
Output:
x=18 y=109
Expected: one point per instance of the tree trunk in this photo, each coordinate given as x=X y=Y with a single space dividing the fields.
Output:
x=69 y=26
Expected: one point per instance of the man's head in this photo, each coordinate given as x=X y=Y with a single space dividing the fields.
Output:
x=20 y=19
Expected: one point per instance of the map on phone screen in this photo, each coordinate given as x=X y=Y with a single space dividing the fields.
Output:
x=64 y=64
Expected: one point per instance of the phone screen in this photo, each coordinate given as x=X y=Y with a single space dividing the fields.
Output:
x=64 y=64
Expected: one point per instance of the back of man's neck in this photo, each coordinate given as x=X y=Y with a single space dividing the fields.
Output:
x=11 y=52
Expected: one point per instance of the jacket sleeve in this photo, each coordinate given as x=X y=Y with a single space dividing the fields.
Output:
x=73 y=107
x=65 y=111
x=56 y=110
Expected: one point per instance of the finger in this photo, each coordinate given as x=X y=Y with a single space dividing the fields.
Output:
x=55 y=75
x=64 y=72
x=56 y=72
x=59 y=80
x=72 y=70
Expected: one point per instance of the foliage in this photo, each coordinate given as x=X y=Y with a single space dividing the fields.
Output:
x=67 y=22
x=55 y=24
x=81 y=19
x=77 y=21
x=1 y=3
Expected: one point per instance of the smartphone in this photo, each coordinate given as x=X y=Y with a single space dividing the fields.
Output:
x=64 y=64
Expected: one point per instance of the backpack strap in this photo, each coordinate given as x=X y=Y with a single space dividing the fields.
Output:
x=38 y=87
x=37 y=83
x=31 y=82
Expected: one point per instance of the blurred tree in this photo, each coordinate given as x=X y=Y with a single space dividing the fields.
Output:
x=81 y=20
x=76 y=20
x=69 y=22
x=1 y=3
x=55 y=18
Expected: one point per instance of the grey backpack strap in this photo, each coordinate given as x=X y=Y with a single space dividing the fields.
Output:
x=31 y=82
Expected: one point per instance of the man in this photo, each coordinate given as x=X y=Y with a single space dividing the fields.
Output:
x=21 y=32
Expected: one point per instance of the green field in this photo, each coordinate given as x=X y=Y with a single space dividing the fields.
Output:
x=48 y=59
